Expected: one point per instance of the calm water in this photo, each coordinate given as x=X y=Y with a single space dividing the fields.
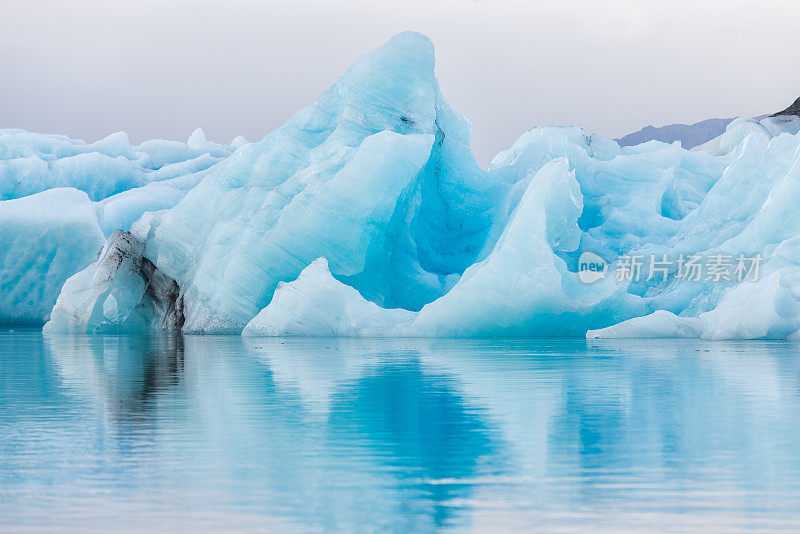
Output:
x=224 y=434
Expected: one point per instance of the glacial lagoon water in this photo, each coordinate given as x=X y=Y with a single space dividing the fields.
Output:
x=220 y=433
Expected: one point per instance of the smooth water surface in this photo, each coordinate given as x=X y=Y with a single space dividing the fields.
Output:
x=220 y=433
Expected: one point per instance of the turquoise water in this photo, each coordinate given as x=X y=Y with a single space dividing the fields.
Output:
x=227 y=434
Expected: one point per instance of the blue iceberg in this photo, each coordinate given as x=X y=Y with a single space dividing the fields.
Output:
x=61 y=198
x=366 y=214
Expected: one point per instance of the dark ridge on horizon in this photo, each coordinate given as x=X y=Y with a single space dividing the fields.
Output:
x=794 y=109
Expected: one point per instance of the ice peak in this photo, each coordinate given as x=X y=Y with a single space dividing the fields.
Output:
x=410 y=41
x=404 y=64
x=197 y=139
x=393 y=87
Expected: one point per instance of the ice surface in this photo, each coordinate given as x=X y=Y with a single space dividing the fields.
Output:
x=522 y=286
x=44 y=239
x=316 y=304
x=120 y=291
x=766 y=308
x=51 y=232
x=377 y=178
x=373 y=177
x=31 y=162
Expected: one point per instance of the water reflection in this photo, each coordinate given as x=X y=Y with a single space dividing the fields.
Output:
x=188 y=433
x=123 y=374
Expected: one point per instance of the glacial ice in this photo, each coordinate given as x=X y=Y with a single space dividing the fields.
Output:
x=44 y=239
x=31 y=162
x=120 y=292
x=376 y=177
x=60 y=198
x=316 y=304
x=367 y=215
x=766 y=308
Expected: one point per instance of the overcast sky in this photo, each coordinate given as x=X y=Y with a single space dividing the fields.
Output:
x=86 y=68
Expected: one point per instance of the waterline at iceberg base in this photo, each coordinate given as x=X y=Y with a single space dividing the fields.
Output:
x=366 y=214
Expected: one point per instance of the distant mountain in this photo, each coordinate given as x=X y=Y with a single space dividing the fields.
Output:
x=690 y=135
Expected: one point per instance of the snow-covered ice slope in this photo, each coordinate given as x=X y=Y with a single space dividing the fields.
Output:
x=377 y=178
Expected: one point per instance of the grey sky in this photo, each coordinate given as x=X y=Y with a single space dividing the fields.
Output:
x=159 y=69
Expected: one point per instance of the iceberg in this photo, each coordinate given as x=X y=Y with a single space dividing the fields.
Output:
x=373 y=177
x=366 y=214
x=316 y=304
x=61 y=198
x=31 y=162
x=44 y=239
x=120 y=292
x=767 y=308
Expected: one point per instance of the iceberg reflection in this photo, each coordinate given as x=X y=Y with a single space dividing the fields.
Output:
x=397 y=435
